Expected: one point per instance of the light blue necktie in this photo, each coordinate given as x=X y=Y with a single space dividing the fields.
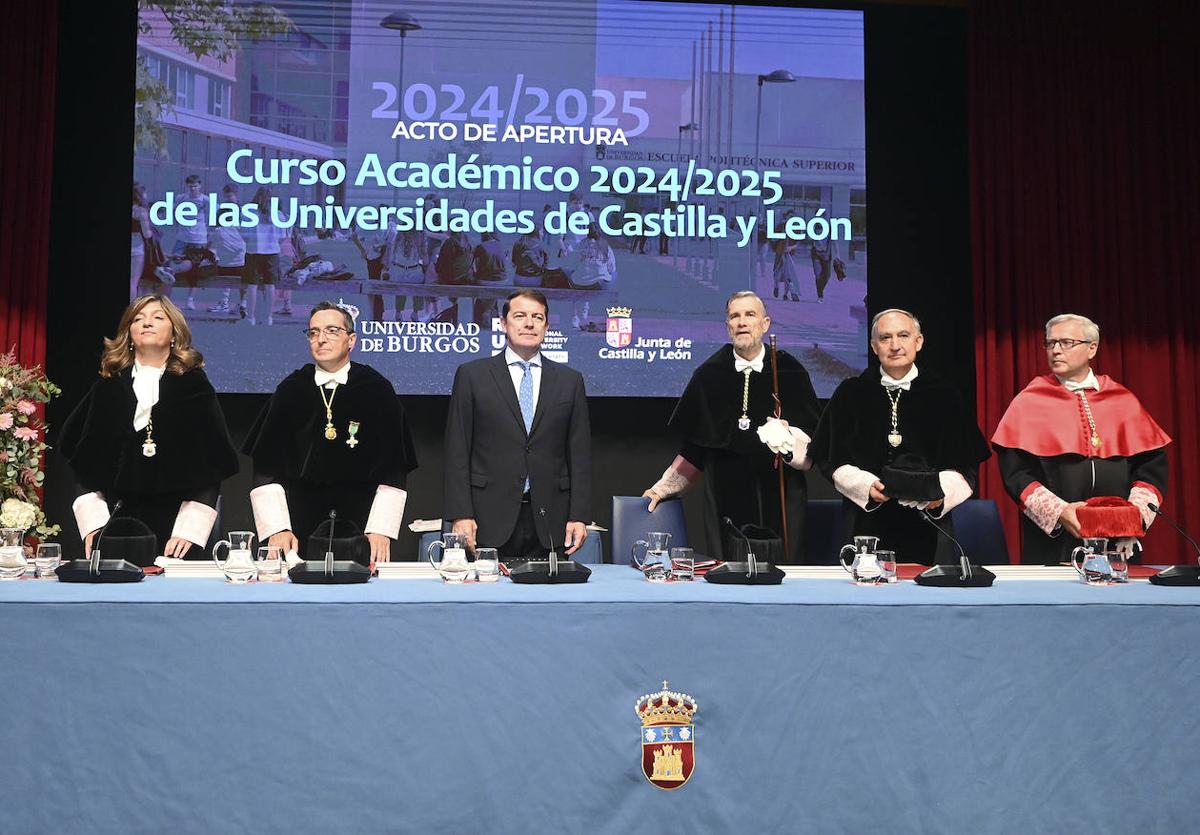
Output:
x=525 y=393
x=525 y=398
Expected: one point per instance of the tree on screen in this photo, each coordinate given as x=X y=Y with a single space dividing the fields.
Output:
x=205 y=29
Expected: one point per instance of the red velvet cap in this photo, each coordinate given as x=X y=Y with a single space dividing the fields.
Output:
x=1111 y=517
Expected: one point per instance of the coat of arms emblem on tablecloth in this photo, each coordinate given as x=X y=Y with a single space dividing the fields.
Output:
x=668 y=737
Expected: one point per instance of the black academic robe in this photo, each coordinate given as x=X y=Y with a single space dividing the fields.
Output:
x=740 y=479
x=289 y=447
x=935 y=425
x=193 y=451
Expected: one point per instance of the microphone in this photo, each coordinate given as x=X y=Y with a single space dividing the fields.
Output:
x=552 y=570
x=93 y=569
x=963 y=561
x=94 y=557
x=1176 y=575
x=966 y=576
x=748 y=573
x=553 y=555
x=330 y=571
x=329 y=547
x=751 y=562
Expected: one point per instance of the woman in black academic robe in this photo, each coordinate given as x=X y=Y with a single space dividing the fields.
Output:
x=150 y=434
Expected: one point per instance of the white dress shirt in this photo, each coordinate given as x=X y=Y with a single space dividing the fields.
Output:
x=1088 y=382
x=740 y=365
x=145 y=388
x=904 y=383
x=517 y=372
x=323 y=378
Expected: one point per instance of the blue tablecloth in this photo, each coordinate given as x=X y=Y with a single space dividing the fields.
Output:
x=194 y=706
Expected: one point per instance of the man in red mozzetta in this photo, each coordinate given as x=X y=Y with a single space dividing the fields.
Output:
x=1071 y=435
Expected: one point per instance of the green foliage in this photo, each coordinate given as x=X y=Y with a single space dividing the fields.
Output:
x=205 y=29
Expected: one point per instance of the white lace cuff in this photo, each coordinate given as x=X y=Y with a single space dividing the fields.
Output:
x=675 y=479
x=1044 y=508
x=1142 y=498
x=194 y=523
x=387 y=510
x=955 y=489
x=91 y=513
x=271 y=516
x=855 y=485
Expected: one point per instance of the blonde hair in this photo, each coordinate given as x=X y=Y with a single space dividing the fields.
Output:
x=118 y=351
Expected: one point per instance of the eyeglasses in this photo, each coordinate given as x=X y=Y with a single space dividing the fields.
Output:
x=1067 y=344
x=332 y=331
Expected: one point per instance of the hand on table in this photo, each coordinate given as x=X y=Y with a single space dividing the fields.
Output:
x=176 y=547
x=285 y=541
x=574 y=536
x=381 y=547
x=466 y=528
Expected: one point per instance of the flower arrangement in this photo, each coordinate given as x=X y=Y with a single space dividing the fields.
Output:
x=22 y=444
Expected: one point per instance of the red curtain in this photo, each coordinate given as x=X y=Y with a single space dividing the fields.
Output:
x=27 y=72
x=1084 y=134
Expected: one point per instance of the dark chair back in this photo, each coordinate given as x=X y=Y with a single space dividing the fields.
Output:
x=977 y=526
x=631 y=522
x=823 y=531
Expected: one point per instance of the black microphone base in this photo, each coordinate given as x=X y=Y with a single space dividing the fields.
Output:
x=312 y=572
x=1177 y=575
x=111 y=571
x=537 y=573
x=950 y=576
x=734 y=574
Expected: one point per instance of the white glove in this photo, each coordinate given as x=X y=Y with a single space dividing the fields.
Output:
x=777 y=437
x=913 y=503
x=1127 y=546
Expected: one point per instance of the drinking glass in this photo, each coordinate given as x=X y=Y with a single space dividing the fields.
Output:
x=683 y=565
x=49 y=555
x=270 y=564
x=1119 y=564
x=487 y=565
x=887 y=566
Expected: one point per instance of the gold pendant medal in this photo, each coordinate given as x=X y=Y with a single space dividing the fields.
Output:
x=330 y=432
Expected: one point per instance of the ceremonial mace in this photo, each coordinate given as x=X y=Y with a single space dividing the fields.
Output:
x=787 y=549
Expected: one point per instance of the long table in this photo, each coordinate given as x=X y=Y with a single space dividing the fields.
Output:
x=190 y=705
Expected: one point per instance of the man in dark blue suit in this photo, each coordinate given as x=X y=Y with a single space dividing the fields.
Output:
x=518 y=444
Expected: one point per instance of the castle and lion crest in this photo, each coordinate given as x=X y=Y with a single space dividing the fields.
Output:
x=668 y=737
x=619 y=331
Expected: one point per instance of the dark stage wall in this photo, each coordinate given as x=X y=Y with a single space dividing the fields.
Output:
x=918 y=216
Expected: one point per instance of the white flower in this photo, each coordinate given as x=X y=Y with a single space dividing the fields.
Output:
x=15 y=513
x=5 y=383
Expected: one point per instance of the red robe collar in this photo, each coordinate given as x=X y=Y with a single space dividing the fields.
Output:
x=1046 y=419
